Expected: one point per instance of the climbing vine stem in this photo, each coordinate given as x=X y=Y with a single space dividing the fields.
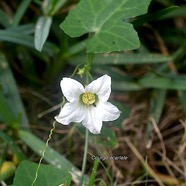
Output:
x=43 y=153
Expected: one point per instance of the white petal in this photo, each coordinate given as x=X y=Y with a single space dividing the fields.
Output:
x=91 y=122
x=71 y=112
x=106 y=111
x=101 y=87
x=71 y=89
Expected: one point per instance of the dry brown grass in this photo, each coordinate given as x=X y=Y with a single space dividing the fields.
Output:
x=163 y=162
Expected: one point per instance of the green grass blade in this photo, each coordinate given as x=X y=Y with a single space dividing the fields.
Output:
x=26 y=29
x=10 y=88
x=122 y=59
x=41 y=31
x=52 y=6
x=15 y=37
x=120 y=81
x=182 y=98
x=93 y=174
x=4 y=19
x=126 y=85
x=179 y=12
x=20 y=12
x=26 y=40
x=75 y=49
x=6 y=113
x=154 y=16
x=13 y=146
x=168 y=82
x=156 y=108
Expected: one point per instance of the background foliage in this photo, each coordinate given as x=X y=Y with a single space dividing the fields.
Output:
x=148 y=85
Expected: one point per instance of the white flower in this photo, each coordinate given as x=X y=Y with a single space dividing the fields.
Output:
x=87 y=104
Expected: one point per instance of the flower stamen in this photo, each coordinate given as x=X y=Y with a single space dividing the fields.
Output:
x=88 y=98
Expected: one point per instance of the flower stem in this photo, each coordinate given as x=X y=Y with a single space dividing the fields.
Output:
x=90 y=59
x=84 y=157
x=88 y=67
x=88 y=74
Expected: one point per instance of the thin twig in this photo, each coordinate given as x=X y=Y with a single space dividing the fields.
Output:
x=149 y=169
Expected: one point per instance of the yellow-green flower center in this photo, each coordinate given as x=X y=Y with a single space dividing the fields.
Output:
x=88 y=98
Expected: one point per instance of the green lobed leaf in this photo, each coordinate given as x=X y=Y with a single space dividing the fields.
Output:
x=107 y=23
x=41 y=31
x=48 y=175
